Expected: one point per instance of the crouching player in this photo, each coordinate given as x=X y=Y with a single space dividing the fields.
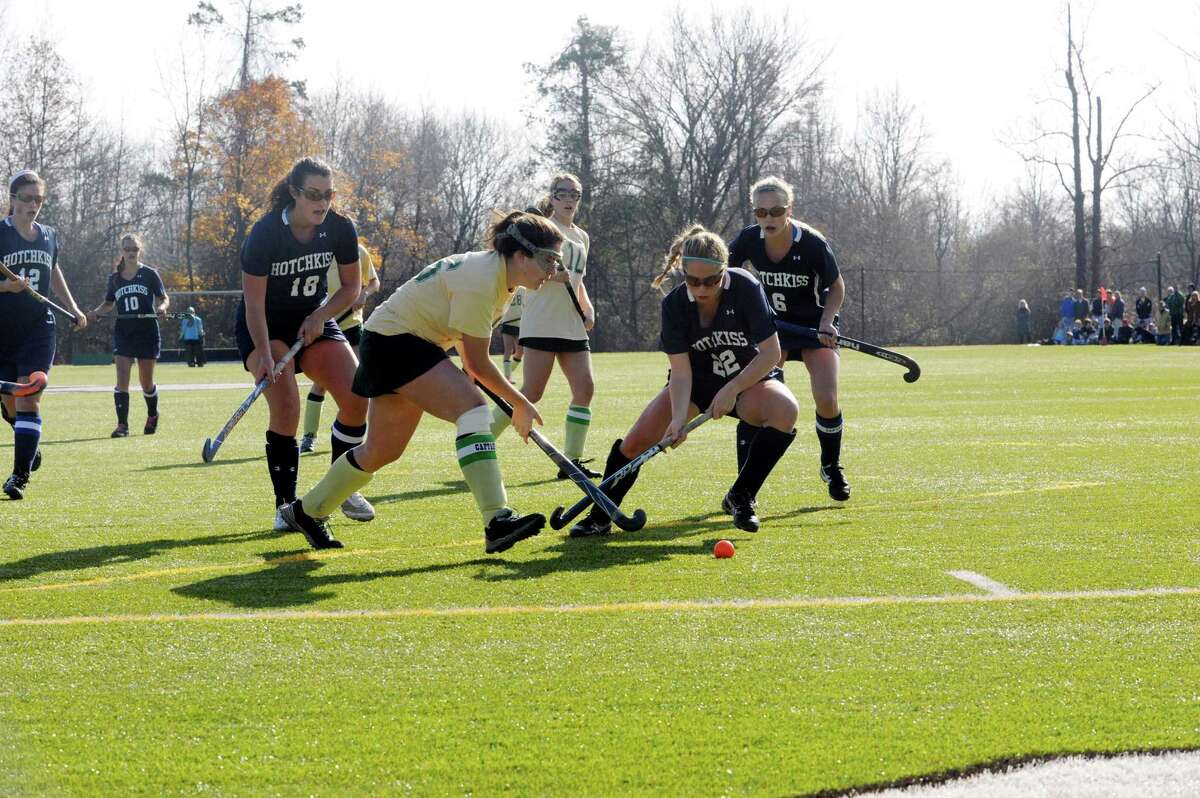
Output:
x=719 y=334
x=405 y=372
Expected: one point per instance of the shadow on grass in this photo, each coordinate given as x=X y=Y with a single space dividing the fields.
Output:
x=449 y=487
x=199 y=463
x=100 y=556
x=60 y=441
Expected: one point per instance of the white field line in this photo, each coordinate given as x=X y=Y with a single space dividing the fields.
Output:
x=830 y=602
x=984 y=583
x=194 y=386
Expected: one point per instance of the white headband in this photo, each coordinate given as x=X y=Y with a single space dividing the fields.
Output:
x=18 y=176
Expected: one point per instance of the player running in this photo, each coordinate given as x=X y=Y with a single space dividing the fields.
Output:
x=802 y=282
x=137 y=292
x=27 y=327
x=555 y=322
x=284 y=264
x=406 y=372
x=510 y=333
x=719 y=334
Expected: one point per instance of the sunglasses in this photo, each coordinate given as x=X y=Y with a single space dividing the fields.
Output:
x=712 y=281
x=776 y=212
x=36 y=199
x=131 y=250
x=563 y=194
x=315 y=195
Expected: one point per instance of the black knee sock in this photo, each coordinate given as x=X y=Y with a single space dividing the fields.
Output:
x=151 y=401
x=745 y=436
x=769 y=445
x=121 y=400
x=4 y=413
x=616 y=492
x=829 y=433
x=283 y=462
x=27 y=433
x=345 y=438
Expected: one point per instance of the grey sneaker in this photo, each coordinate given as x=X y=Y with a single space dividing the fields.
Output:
x=281 y=524
x=590 y=527
x=307 y=443
x=357 y=508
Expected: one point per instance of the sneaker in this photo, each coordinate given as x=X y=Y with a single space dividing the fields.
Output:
x=839 y=488
x=316 y=530
x=122 y=431
x=307 y=443
x=508 y=528
x=587 y=472
x=743 y=509
x=151 y=425
x=281 y=524
x=37 y=460
x=357 y=508
x=590 y=527
x=14 y=486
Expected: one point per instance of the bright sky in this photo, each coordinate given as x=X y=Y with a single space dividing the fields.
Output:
x=974 y=70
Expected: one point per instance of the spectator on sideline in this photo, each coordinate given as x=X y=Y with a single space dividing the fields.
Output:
x=1125 y=332
x=1024 y=336
x=1116 y=308
x=1081 y=305
x=1097 y=309
x=1174 y=302
x=1191 y=318
x=191 y=336
x=1164 y=336
x=1143 y=308
x=1107 y=331
x=1066 y=309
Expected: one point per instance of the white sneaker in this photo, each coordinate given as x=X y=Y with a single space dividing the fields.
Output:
x=281 y=524
x=357 y=508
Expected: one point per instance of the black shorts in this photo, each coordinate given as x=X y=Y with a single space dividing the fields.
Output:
x=353 y=335
x=22 y=354
x=704 y=390
x=511 y=329
x=388 y=362
x=556 y=344
x=137 y=338
x=281 y=327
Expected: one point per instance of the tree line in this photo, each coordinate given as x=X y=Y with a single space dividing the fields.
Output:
x=661 y=134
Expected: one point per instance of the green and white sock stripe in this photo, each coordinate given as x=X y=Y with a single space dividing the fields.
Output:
x=579 y=415
x=475 y=447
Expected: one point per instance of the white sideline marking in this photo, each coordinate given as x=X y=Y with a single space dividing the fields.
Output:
x=830 y=602
x=984 y=583
x=191 y=386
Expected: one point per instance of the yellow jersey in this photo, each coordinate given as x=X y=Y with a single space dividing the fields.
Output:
x=335 y=282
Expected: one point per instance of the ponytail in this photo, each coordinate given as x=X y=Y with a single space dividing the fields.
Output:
x=695 y=241
x=281 y=195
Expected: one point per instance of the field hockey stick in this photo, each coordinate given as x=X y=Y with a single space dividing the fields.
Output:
x=559 y=519
x=798 y=335
x=145 y=316
x=37 y=382
x=212 y=444
x=6 y=272
x=628 y=523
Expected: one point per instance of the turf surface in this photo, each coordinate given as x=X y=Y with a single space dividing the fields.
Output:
x=156 y=637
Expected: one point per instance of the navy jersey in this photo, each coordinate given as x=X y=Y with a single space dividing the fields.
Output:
x=136 y=296
x=797 y=284
x=720 y=351
x=35 y=260
x=296 y=272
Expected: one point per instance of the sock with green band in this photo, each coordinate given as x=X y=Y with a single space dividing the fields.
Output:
x=476 y=448
x=312 y=413
x=343 y=478
x=578 y=420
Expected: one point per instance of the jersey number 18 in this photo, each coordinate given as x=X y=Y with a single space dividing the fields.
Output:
x=310 y=285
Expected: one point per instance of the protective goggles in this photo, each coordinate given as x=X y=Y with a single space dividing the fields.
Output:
x=549 y=259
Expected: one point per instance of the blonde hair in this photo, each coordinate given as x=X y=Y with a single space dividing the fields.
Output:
x=130 y=236
x=776 y=184
x=562 y=177
x=695 y=241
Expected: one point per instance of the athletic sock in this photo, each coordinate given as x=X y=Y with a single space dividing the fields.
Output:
x=345 y=437
x=283 y=462
x=312 y=414
x=121 y=400
x=343 y=478
x=768 y=446
x=616 y=461
x=579 y=418
x=829 y=433
x=476 y=449
x=746 y=433
x=4 y=414
x=27 y=431
x=500 y=422
x=151 y=401
x=507 y=368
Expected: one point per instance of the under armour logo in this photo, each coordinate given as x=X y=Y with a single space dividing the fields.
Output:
x=794 y=257
x=729 y=312
x=320 y=235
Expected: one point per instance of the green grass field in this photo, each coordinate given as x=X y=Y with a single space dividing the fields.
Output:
x=157 y=638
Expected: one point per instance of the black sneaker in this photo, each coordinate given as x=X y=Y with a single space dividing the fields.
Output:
x=587 y=472
x=14 y=486
x=590 y=526
x=316 y=530
x=306 y=443
x=743 y=509
x=839 y=488
x=151 y=425
x=508 y=528
x=37 y=460
x=122 y=431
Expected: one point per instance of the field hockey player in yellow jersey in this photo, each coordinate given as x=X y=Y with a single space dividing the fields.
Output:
x=555 y=322
x=405 y=372
x=510 y=332
x=350 y=323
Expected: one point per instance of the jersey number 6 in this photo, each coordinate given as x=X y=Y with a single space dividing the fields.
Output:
x=780 y=303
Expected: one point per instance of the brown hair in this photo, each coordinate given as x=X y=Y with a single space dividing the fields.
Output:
x=694 y=242
x=562 y=177
x=281 y=197
x=130 y=236
x=26 y=178
x=534 y=229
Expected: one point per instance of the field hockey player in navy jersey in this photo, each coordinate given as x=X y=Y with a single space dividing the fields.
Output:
x=802 y=282
x=27 y=327
x=284 y=299
x=719 y=334
x=137 y=292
